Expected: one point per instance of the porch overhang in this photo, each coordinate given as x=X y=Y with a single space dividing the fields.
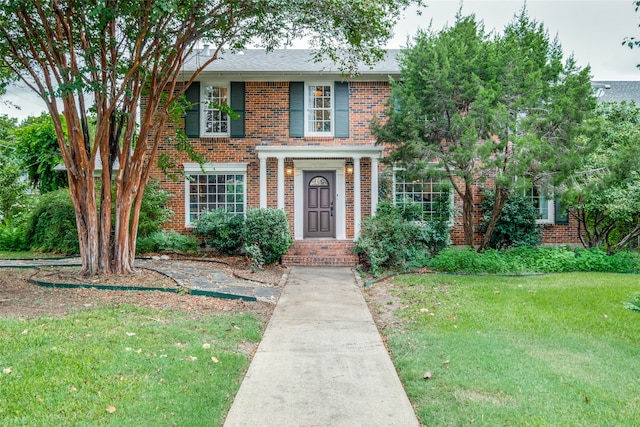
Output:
x=355 y=152
x=297 y=152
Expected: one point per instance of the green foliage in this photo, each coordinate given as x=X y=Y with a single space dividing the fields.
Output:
x=153 y=211
x=605 y=195
x=13 y=237
x=499 y=105
x=388 y=240
x=268 y=229
x=633 y=303
x=255 y=255
x=14 y=198
x=517 y=224
x=51 y=225
x=37 y=148
x=222 y=230
x=166 y=241
x=534 y=260
x=106 y=56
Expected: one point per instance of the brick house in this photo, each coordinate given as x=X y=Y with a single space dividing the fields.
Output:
x=301 y=142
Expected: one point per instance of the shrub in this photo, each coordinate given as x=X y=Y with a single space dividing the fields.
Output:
x=222 y=230
x=388 y=240
x=153 y=211
x=255 y=255
x=13 y=237
x=517 y=224
x=51 y=225
x=268 y=229
x=166 y=241
x=598 y=260
x=534 y=260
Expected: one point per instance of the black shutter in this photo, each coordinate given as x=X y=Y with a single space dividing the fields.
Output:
x=296 y=109
x=237 y=105
x=192 y=114
x=341 y=107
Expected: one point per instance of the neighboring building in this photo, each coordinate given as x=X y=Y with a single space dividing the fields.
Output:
x=618 y=90
x=301 y=142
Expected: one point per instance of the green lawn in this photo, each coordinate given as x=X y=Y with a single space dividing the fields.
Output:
x=122 y=366
x=552 y=350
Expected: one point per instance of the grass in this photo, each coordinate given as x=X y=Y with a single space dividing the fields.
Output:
x=550 y=350
x=122 y=366
x=27 y=255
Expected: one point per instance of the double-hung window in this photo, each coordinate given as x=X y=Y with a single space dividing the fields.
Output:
x=319 y=107
x=213 y=121
x=544 y=205
x=219 y=186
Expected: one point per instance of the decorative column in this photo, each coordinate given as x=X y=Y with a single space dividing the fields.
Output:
x=374 y=185
x=263 y=182
x=280 y=182
x=357 y=204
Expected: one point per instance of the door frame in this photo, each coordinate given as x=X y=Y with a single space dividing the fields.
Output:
x=329 y=165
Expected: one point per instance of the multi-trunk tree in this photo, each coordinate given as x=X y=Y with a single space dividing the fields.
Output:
x=101 y=57
x=499 y=110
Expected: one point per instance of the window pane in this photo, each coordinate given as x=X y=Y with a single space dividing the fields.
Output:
x=215 y=191
x=421 y=200
x=319 y=113
x=215 y=121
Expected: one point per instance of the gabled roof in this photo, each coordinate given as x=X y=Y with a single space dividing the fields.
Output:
x=284 y=61
x=617 y=90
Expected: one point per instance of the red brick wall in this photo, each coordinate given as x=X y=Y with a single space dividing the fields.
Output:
x=267 y=123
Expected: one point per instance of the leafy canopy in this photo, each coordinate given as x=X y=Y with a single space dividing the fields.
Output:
x=488 y=108
x=103 y=58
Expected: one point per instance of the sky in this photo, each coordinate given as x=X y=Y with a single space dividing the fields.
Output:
x=591 y=30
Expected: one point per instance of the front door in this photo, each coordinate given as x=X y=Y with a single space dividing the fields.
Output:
x=319 y=201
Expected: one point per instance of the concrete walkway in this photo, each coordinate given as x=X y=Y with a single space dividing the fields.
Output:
x=321 y=361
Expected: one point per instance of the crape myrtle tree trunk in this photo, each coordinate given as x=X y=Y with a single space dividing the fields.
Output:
x=92 y=59
x=499 y=110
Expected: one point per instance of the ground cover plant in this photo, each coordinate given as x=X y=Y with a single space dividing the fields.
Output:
x=122 y=365
x=534 y=260
x=544 y=350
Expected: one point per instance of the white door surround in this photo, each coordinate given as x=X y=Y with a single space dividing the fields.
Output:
x=327 y=159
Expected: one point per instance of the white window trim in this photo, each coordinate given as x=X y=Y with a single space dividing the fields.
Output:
x=203 y=86
x=551 y=219
x=307 y=108
x=208 y=168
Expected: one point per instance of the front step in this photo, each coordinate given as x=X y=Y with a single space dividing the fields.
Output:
x=321 y=252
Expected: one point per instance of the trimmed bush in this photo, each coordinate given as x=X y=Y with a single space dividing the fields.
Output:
x=268 y=229
x=166 y=241
x=51 y=226
x=221 y=230
x=388 y=240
